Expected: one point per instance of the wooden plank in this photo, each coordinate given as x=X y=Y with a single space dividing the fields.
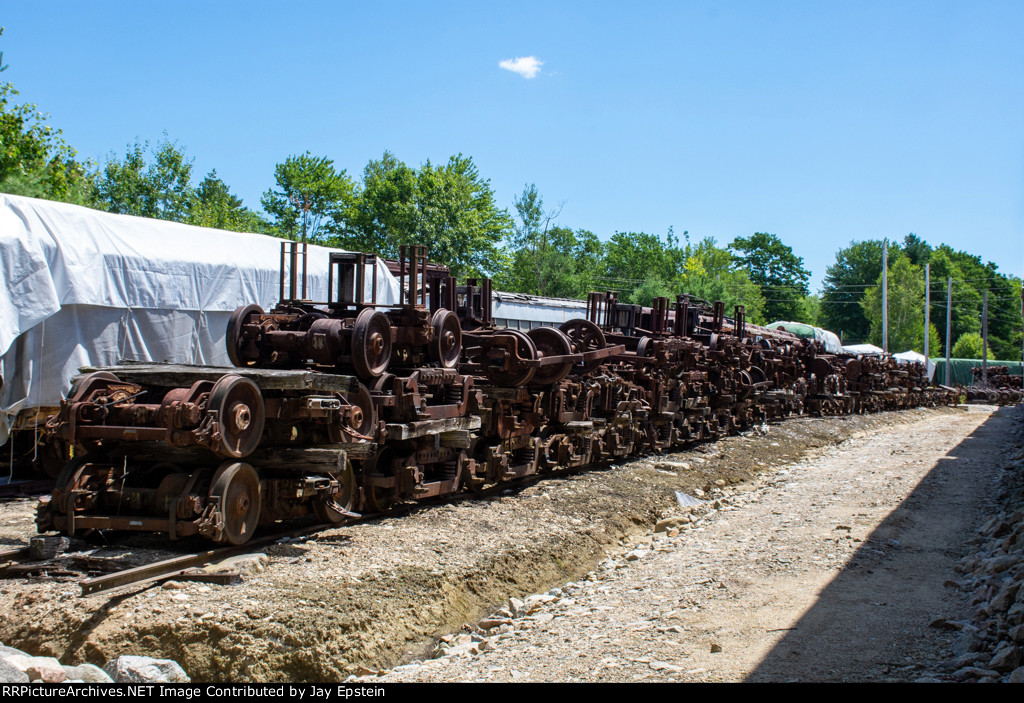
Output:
x=298 y=459
x=361 y=450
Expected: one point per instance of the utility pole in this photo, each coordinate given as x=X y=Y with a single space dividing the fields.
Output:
x=885 y=295
x=984 y=340
x=927 y=310
x=949 y=323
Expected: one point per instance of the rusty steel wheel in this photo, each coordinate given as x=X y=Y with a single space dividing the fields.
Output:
x=361 y=418
x=853 y=369
x=645 y=347
x=344 y=498
x=240 y=414
x=377 y=499
x=514 y=377
x=234 y=340
x=446 y=346
x=551 y=342
x=236 y=488
x=585 y=336
x=371 y=344
x=70 y=474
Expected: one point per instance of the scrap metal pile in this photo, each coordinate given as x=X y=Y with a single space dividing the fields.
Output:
x=350 y=405
x=995 y=385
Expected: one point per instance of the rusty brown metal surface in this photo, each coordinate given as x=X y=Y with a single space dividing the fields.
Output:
x=351 y=407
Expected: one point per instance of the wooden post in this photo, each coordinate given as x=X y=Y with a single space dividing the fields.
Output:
x=885 y=295
x=949 y=323
x=927 y=309
x=984 y=340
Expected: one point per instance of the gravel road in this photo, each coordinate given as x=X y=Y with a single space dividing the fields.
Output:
x=829 y=569
x=818 y=552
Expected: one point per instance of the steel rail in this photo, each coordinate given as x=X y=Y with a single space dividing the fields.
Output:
x=180 y=566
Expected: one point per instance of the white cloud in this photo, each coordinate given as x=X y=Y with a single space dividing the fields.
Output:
x=525 y=66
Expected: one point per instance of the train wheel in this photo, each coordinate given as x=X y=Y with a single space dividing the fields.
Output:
x=240 y=413
x=515 y=377
x=236 y=487
x=551 y=342
x=377 y=499
x=234 y=338
x=645 y=347
x=371 y=344
x=585 y=336
x=446 y=346
x=362 y=421
x=69 y=475
x=344 y=498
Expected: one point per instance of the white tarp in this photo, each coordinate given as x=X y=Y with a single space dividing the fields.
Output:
x=84 y=287
x=858 y=349
x=829 y=339
x=911 y=356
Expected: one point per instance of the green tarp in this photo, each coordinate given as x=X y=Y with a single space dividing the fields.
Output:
x=960 y=370
x=798 y=328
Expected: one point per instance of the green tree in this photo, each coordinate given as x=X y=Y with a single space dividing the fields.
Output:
x=856 y=269
x=160 y=189
x=966 y=315
x=385 y=212
x=638 y=263
x=905 y=303
x=1004 y=330
x=450 y=209
x=313 y=201
x=215 y=206
x=641 y=267
x=459 y=220
x=969 y=346
x=778 y=272
x=34 y=158
x=542 y=257
x=567 y=267
x=709 y=272
x=809 y=310
x=917 y=250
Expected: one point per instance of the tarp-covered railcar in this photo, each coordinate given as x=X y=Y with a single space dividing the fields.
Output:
x=89 y=288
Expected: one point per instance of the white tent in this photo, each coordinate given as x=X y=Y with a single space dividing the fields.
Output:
x=84 y=287
x=911 y=356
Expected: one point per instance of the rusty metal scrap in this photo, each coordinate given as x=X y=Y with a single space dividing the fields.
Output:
x=350 y=406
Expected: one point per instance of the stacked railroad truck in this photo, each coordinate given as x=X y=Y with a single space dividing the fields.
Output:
x=344 y=407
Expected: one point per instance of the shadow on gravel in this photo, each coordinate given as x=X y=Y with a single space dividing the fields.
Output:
x=871 y=622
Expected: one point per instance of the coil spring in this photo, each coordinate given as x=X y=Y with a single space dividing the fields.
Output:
x=523 y=455
x=448 y=470
x=453 y=394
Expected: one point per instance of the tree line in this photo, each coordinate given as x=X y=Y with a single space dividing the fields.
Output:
x=451 y=208
x=851 y=298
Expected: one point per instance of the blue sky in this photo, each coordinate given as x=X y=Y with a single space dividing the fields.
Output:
x=821 y=122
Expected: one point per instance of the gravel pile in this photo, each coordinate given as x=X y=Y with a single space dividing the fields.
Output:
x=990 y=644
